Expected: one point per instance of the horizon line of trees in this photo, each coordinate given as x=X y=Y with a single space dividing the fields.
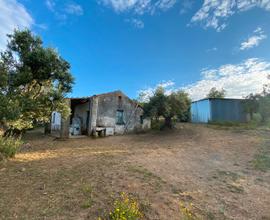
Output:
x=258 y=105
x=176 y=106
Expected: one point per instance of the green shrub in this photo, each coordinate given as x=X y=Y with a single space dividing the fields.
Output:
x=257 y=119
x=267 y=122
x=264 y=107
x=157 y=124
x=261 y=162
x=88 y=193
x=225 y=123
x=9 y=146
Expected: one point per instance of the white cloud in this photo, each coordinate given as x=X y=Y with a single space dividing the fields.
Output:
x=125 y=5
x=139 y=6
x=214 y=13
x=74 y=8
x=146 y=93
x=61 y=13
x=13 y=15
x=186 y=6
x=50 y=4
x=239 y=80
x=253 y=41
x=137 y=23
x=213 y=49
x=165 y=84
x=165 y=4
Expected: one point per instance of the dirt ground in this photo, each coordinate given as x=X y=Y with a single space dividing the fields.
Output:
x=79 y=178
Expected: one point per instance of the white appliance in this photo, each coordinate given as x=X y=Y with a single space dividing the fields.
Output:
x=75 y=128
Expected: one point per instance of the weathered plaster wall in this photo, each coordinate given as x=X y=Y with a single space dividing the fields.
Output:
x=106 y=114
x=146 y=124
x=93 y=114
x=107 y=108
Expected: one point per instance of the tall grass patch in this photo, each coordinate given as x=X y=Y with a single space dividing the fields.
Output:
x=9 y=146
x=261 y=160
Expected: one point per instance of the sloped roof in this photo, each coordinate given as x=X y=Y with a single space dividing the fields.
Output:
x=117 y=92
x=113 y=93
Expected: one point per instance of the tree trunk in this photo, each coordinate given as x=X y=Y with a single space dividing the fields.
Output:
x=47 y=128
x=168 y=122
x=251 y=115
x=3 y=129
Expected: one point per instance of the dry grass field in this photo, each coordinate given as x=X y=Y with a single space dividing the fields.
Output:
x=224 y=173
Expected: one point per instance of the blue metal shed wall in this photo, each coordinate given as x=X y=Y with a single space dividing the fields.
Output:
x=200 y=111
x=228 y=110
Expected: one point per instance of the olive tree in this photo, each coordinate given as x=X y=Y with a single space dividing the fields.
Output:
x=176 y=104
x=34 y=81
x=215 y=93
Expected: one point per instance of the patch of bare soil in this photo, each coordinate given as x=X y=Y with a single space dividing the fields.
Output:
x=79 y=178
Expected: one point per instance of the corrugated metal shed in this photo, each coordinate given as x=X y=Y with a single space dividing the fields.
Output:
x=219 y=110
x=201 y=111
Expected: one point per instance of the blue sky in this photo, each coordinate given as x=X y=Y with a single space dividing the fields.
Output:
x=135 y=45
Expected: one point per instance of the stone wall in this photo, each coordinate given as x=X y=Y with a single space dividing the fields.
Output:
x=107 y=111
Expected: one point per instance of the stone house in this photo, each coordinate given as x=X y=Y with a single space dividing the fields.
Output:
x=104 y=114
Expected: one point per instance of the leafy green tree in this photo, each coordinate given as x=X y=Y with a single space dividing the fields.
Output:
x=33 y=82
x=181 y=104
x=251 y=104
x=264 y=107
x=215 y=93
x=259 y=103
x=264 y=103
x=177 y=104
x=266 y=87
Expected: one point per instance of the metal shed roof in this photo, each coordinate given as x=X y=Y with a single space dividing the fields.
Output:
x=217 y=99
